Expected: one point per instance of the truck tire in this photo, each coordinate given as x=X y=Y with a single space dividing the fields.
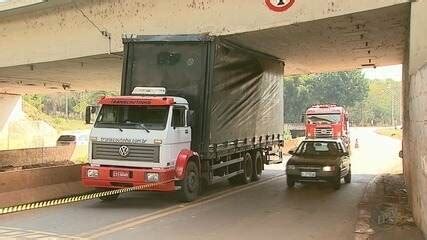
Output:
x=107 y=198
x=248 y=168
x=190 y=185
x=257 y=166
x=347 y=177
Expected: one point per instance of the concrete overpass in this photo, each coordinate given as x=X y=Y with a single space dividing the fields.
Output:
x=76 y=45
x=72 y=43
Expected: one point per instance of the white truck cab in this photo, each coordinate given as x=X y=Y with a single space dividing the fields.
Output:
x=144 y=132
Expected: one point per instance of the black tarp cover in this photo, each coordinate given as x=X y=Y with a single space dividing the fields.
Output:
x=235 y=93
x=247 y=95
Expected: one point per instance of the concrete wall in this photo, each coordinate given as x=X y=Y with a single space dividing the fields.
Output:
x=34 y=156
x=10 y=109
x=17 y=131
x=415 y=114
x=27 y=186
x=72 y=30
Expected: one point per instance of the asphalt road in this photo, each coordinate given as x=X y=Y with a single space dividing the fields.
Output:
x=261 y=210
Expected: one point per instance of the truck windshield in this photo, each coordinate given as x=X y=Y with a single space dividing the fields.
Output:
x=133 y=117
x=319 y=148
x=323 y=118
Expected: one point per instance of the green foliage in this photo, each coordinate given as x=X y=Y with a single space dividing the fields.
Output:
x=54 y=105
x=59 y=123
x=342 y=88
x=52 y=108
x=383 y=101
x=37 y=101
x=370 y=102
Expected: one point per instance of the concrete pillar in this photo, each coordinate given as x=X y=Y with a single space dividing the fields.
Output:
x=415 y=113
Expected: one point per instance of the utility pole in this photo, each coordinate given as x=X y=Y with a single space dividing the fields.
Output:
x=392 y=103
x=392 y=109
x=66 y=105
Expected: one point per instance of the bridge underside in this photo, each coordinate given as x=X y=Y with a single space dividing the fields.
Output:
x=365 y=39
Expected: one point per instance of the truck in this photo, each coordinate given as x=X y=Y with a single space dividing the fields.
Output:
x=327 y=121
x=193 y=110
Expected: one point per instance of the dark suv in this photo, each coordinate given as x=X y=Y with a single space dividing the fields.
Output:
x=319 y=160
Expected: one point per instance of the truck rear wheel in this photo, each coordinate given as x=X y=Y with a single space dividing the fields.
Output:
x=247 y=169
x=257 y=170
x=190 y=185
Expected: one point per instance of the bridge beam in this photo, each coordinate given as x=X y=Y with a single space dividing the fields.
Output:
x=81 y=28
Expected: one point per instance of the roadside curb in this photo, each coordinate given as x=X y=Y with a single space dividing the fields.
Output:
x=363 y=229
x=384 y=211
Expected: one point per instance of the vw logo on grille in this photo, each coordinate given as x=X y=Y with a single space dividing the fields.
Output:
x=124 y=151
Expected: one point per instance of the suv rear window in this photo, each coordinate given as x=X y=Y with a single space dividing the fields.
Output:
x=318 y=148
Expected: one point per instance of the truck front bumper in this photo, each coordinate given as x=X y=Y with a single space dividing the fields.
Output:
x=121 y=177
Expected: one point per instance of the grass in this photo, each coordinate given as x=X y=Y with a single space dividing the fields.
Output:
x=60 y=124
x=390 y=132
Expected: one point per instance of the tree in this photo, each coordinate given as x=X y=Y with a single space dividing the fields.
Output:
x=342 y=88
x=35 y=100
x=382 y=104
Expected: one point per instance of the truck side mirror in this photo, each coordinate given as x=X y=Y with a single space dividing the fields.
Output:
x=88 y=114
x=303 y=118
x=190 y=117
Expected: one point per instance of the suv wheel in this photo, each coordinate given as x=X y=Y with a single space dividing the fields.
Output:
x=347 y=178
x=337 y=180
x=290 y=182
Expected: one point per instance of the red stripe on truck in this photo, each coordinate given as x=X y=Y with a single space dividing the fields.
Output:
x=137 y=100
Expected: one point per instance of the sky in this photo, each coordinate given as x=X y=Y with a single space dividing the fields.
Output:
x=390 y=72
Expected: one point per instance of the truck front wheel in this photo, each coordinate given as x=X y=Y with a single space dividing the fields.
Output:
x=107 y=198
x=190 y=185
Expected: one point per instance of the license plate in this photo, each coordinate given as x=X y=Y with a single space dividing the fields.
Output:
x=120 y=174
x=308 y=174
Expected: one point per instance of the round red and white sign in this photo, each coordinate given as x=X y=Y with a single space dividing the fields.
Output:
x=279 y=5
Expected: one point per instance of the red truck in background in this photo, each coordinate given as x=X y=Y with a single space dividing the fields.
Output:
x=327 y=121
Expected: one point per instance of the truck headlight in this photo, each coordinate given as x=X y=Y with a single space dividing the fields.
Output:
x=290 y=167
x=328 y=168
x=152 y=177
x=92 y=173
